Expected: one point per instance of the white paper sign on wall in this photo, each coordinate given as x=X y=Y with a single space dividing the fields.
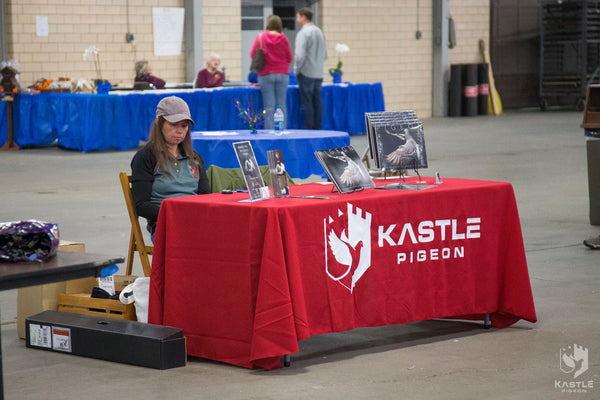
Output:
x=168 y=30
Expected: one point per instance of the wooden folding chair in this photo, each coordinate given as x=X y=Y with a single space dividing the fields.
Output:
x=136 y=239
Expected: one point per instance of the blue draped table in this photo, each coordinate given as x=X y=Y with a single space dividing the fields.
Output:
x=119 y=120
x=298 y=147
x=3 y=134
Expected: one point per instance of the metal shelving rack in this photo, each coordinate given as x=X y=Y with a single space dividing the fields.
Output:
x=569 y=51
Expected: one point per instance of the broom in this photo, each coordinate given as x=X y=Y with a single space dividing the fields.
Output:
x=494 y=103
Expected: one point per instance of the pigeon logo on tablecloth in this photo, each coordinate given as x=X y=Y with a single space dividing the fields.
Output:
x=574 y=359
x=347 y=245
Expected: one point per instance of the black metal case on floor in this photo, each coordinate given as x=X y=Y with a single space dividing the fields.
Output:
x=123 y=341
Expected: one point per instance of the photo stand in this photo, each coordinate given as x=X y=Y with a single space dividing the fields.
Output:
x=404 y=186
x=358 y=188
x=419 y=185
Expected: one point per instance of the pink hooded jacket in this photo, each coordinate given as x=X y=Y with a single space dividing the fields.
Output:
x=278 y=53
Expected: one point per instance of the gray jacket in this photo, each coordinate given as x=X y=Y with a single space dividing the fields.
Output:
x=310 y=52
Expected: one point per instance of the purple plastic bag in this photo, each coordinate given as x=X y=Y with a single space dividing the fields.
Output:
x=26 y=241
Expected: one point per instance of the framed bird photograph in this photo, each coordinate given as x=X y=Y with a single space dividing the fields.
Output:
x=279 y=181
x=397 y=140
x=345 y=169
x=401 y=147
x=250 y=171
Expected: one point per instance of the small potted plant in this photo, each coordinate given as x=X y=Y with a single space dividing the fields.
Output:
x=93 y=53
x=337 y=72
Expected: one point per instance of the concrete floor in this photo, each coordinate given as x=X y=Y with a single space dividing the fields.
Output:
x=541 y=153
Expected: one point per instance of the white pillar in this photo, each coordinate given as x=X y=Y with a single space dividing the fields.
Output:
x=192 y=31
x=3 y=43
x=440 y=66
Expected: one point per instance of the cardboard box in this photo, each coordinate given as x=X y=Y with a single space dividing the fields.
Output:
x=130 y=342
x=77 y=299
x=85 y=285
x=35 y=299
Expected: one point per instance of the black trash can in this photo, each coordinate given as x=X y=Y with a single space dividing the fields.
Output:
x=470 y=90
x=455 y=91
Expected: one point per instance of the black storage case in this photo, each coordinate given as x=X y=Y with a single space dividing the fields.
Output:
x=123 y=341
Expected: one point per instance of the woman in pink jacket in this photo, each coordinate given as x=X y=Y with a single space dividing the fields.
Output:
x=275 y=75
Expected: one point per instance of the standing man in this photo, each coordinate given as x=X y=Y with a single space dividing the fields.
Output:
x=311 y=53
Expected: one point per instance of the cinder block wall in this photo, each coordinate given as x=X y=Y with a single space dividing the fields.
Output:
x=383 y=48
x=472 y=22
x=222 y=32
x=73 y=26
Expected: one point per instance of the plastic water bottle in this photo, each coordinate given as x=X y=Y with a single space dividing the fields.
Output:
x=278 y=119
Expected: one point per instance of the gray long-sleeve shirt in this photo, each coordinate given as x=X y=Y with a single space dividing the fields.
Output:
x=310 y=51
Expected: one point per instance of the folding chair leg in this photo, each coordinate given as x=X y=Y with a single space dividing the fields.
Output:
x=145 y=263
x=136 y=239
x=129 y=268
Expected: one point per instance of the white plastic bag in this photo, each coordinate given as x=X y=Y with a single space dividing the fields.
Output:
x=138 y=292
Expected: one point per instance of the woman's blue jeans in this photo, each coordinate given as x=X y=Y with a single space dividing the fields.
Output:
x=273 y=88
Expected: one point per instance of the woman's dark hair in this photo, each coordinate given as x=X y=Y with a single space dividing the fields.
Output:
x=274 y=23
x=305 y=11
x=159 y=146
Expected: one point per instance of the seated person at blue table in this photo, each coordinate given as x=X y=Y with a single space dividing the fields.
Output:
x=211 y=76
x=143 y=73
x=167 y=166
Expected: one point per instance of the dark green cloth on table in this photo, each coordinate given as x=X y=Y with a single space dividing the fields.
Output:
x=232 y=179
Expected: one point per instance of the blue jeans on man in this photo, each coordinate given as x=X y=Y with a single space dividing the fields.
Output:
x=310 y=97
x=273 y=88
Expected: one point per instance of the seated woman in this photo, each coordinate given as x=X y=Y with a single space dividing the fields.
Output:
x=167 y=166
x=211 y=76
x=143 y=73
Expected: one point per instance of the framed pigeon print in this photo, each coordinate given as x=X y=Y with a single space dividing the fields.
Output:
x=345 y=169
x=397 y=140
x=401 y=147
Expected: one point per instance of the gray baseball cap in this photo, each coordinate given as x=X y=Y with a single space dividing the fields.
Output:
x=174 y=109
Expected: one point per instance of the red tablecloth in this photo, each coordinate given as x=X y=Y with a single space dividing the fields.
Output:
x=247 y=281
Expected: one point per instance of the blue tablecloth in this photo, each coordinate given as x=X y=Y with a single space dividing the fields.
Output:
x=3 y=134
x=119 y=120
x=298 y=146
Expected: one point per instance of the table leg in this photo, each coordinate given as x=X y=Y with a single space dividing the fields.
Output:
x=10 y=143
x=287 y=359
x=487 y=324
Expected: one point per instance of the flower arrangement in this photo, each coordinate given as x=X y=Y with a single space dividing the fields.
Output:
x=93 y=53
x=250 y=116
x=340 y=49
